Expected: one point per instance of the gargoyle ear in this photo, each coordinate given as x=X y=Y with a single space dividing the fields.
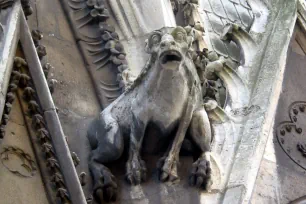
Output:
x=147 y=47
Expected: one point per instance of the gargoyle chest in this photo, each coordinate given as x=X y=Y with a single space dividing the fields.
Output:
x=164 y=98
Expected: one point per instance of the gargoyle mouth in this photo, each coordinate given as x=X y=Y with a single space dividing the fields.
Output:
x=170 y=56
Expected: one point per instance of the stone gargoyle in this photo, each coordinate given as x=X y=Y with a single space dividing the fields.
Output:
x=168 y=94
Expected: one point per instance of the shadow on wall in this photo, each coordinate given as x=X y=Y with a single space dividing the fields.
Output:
x=284 y=165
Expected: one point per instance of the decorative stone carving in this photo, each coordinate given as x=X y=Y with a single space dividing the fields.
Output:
x=170 y=82
x=26 y=162
x=100 y=42
x=28 y=10
x=216 y=14
x=221 y=68
x=103 y=47
x=6 y=3
x=291 y=134
x=24 y=82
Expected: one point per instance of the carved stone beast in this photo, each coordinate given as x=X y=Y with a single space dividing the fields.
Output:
x=168 y=94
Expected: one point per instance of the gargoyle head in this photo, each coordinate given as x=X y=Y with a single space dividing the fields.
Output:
x=170 y=45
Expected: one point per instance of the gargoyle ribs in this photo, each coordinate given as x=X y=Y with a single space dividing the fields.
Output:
x=168 y=94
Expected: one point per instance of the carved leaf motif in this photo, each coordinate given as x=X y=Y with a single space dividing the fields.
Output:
x=77 y=4
x=6 y=3
x=100 y=40
x=291 y=135
x=26 y=162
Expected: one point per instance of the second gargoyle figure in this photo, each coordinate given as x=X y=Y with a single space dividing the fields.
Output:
x=167 y=93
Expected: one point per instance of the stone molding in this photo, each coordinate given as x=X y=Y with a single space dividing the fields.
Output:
x=268 y=64
x=53 y=123
x=16 y=30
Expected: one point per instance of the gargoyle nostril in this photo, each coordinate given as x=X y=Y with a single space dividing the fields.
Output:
x=163 y=44
x=172 y=43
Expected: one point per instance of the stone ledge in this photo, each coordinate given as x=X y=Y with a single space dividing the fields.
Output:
x=53 y=124
x=11 y=32
x=63 y=155
x=234 y=195
x=265 y=94
x=35 y=68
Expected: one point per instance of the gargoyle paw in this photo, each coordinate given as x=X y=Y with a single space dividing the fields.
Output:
x=167 y=169
x=200 y=176
x=106 y=188
x=136 y=171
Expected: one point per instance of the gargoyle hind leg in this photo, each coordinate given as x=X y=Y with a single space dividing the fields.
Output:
x=107 y=141
x=200 y=131
x=136 y=171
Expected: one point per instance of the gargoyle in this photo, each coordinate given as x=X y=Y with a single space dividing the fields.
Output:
x=168 y=94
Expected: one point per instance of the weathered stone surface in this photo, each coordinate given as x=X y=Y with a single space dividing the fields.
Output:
x=17 y=189
x=268 y=75
x=137 y=18
x=62 y=151
x=79 y=114
x=217 y=13
x=74 y=94
x=35 y=69
x=8 y=45
x=280 y=179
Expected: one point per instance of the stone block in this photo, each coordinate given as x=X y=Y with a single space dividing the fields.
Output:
x=234 y=195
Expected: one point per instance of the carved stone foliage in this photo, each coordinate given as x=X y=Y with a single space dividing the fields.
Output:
x=27 y=166
x=10 y=97
x=37 y=124
x=3 y=15
x=103 y=51
x=6 y=3
x=291 y=135
x=27 y=8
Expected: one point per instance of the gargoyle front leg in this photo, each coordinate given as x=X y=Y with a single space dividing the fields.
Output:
x=107 y=142
x=200 y=131
x=168 y=164
x=136 y=171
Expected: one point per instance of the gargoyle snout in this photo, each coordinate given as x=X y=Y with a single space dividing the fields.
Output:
x=167 y=42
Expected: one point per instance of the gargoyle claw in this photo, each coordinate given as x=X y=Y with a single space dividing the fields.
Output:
x=99 y=194
x=200 y=176
x=136 y=171
x=106 y=188
x=167 y=170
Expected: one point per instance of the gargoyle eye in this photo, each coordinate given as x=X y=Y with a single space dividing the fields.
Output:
x=155 y=39
x=180 y=36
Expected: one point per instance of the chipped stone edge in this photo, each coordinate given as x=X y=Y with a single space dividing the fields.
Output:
x=9 y=50
x=301 y=7
x=53 y=123
x=244 y=172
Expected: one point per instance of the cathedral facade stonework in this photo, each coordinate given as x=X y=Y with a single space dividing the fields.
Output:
x=152 y=101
